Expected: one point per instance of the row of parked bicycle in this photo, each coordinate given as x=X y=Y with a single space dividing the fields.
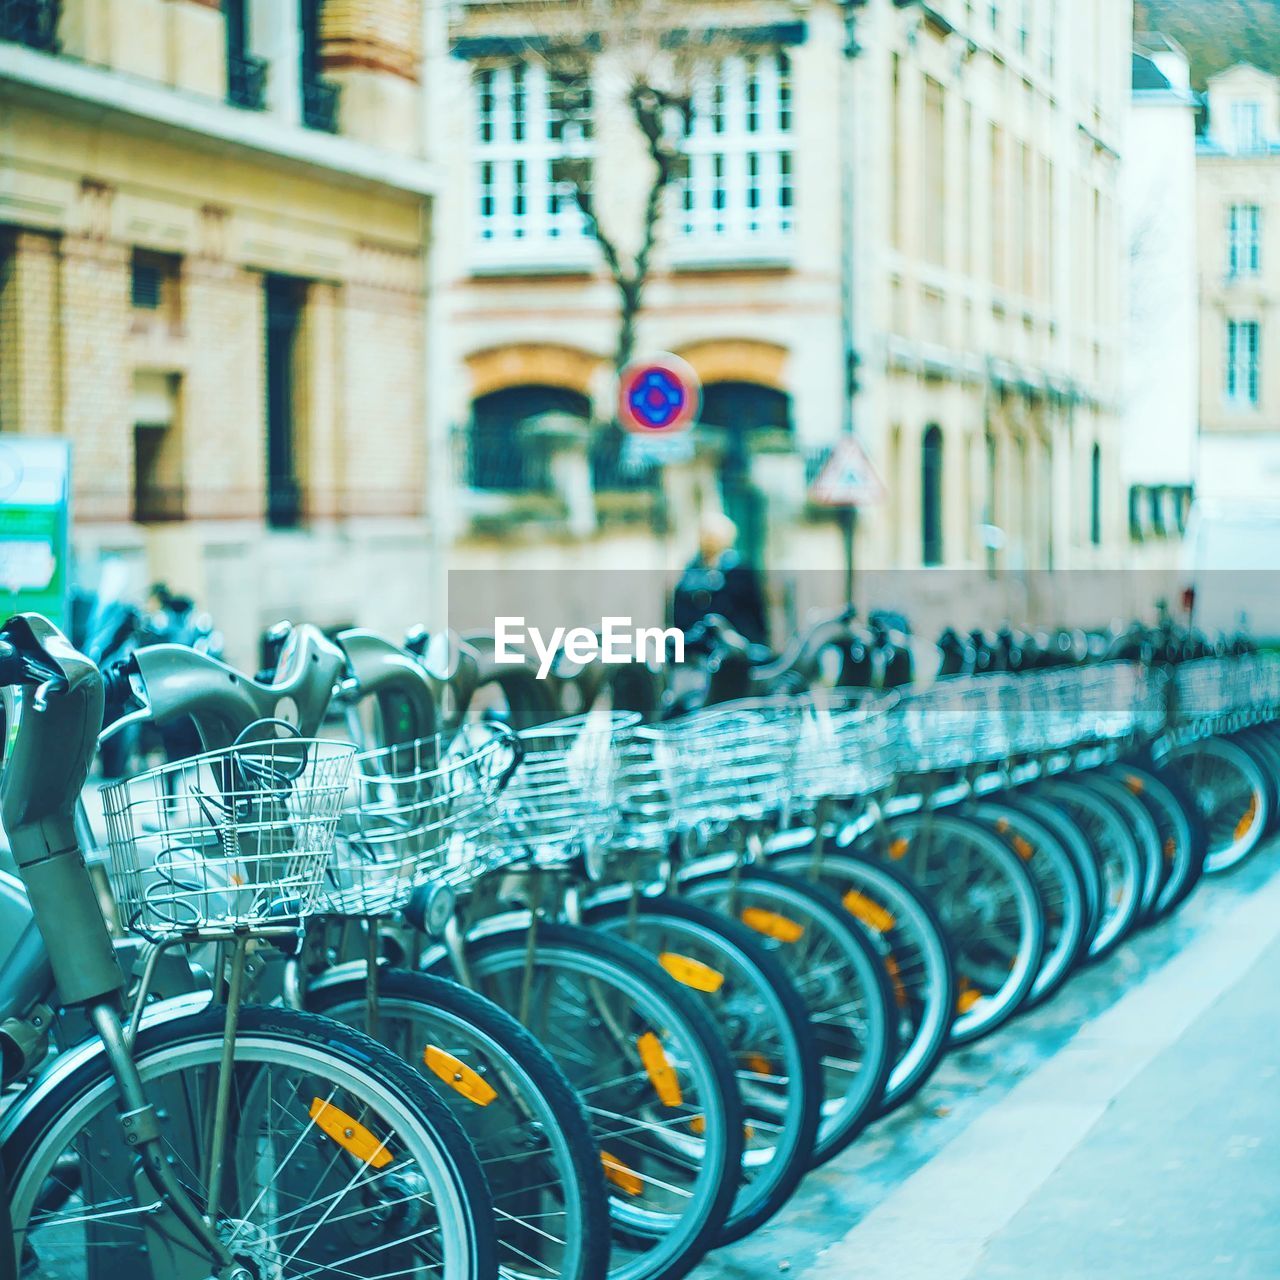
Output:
x=455 y=992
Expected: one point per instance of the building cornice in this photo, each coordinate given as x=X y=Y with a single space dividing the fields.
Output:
x=98 y=95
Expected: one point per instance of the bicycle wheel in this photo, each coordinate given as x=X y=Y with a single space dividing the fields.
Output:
x=1180 y=828
x=764 y=1023
x=1231 y=794
x=340 y=1162
x=988 y=904
x=1073 y=841
x=1146 y=835
x=520 y=1112
x=1061 y=892
x=653 y=1074
x=839 y=977
x=1115 y=853
x=913 y=948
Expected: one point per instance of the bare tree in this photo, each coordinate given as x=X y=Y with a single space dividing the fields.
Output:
x=646 y=57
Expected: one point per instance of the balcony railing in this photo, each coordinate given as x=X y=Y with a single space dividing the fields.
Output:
x=320 y=104
x=247 y=81
x=614 y=470
x=498 y=457
x=159 y=504
x=31 y=22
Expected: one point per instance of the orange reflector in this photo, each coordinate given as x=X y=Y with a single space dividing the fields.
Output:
x=662 y=1075
x=1242 y=827
x=1023 y=848
x=778 y=927
x=348 y=1134
x=459 y=1077
x=870 y=913
x=1170 y=848
x=1002 y=825
x=620 y=1175
x=969 y=996
x=899 y=847
x=698 y=1124
x=1134 y=783
x=895 y=977
x=758 y=1063
x=692 y=973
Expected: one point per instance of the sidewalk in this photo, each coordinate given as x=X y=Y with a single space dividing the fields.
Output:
x=1148 y=1146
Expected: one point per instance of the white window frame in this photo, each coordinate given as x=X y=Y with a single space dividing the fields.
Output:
x=737 y=199
x=1246 y=137
x=520 y=213
x=1243 y=364
x=1244 y=240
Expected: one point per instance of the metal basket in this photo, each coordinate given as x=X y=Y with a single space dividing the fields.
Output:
x=1206 y=692
x=729 y=762
x=560 y=801
x=237 y=838
x=845 y=746
x=962 y=721
x=411 y=812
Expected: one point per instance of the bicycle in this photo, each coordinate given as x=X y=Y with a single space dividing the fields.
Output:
x=190 y=1139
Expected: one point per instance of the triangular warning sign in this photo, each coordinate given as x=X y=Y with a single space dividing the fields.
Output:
x=848 y=479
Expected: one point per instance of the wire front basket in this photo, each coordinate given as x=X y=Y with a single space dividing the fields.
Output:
x=560 y=802
x=411 y=812
x=845 y=748
x=230 y=839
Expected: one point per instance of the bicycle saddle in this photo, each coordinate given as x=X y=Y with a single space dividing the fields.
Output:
x=178 y=682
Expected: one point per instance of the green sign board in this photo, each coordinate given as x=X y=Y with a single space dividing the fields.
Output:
x=35 y=481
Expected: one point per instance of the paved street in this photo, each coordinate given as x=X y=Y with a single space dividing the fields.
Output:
x=1129 y=1129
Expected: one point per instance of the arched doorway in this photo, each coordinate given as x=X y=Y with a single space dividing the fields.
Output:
x=745 y=413
x=500 y=454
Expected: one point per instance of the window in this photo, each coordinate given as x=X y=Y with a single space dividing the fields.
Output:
x=999 y=247
x=533 y=148
x=1095 y=496
x=1246 y=125
x=895 y=152
x=1242 y=362
x=993 y=10
x=158 y=492
x=246 y=73
x=739 y=187
x=154 y=286
x=1024 y=26
x=935 y=172
x=931 y=495
x=285 y=299
x=1244 y=240
x=503 y=452
x=319 y=96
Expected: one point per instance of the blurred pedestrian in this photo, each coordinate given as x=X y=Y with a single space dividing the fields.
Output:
x=718 y=580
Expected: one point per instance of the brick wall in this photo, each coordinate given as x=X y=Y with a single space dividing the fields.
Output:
x=30 y=344
x=97 y=381
x=382 y=386
x=223 y=402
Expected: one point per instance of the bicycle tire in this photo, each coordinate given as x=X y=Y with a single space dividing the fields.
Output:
x=861 y=996
x=1234 y=806
x=1061 y=891
x=548 y=1121
x=913 y=947
x=170 y=1052
x=761 y=1016
x=997 y=935
x=649 y=1244
x=1115 y=852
